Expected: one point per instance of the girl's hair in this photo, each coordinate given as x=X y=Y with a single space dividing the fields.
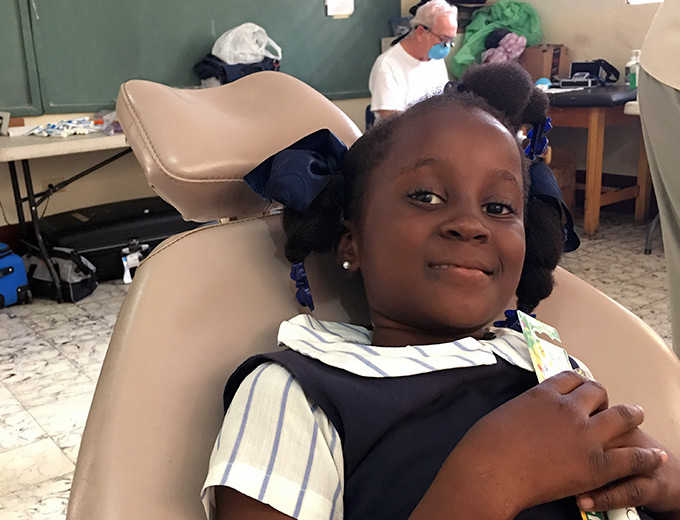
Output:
x=503 y=90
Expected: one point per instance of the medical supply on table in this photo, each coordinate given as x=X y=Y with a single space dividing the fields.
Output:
x=109 y=123
x=543 y=83
x=549 y=360
x=633 y=69
x=66 y=127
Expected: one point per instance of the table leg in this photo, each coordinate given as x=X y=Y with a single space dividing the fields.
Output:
x=38 y=235
x=596 y=126
x=644 y=182
x=17 y=198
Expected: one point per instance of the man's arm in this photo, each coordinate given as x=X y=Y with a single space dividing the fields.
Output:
x=382 y=114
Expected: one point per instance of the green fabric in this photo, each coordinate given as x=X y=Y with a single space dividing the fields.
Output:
x=519 y=17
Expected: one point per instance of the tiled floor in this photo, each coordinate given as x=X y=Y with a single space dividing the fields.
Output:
x=50 y=357
x=615 y=263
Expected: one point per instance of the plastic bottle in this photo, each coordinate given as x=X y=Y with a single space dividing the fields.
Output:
x=632 y=70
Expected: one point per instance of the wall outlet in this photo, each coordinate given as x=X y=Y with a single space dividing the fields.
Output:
x=54 y=181
x=4 y=123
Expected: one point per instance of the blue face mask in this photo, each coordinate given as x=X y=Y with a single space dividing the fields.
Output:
x=439 y=51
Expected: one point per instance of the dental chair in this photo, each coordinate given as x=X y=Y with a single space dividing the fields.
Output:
x=205 y=300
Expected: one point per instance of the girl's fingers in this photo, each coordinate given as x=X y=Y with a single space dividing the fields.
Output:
x=625 y=463
x=591 y=396
x=617 y=420
x=633 y=492
x=564 y=382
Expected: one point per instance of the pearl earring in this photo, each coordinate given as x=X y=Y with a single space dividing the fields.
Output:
x=346 y=265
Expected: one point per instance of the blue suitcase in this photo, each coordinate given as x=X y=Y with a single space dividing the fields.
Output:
x=13 y=280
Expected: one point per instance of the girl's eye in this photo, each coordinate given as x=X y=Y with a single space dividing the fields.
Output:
x=426 y=197
x=498 y=208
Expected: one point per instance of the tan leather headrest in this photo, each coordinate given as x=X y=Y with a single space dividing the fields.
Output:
x=195 y=145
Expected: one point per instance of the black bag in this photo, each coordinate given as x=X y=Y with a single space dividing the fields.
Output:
x=108 y=233
x=76 y=273
x=213 y=67
x=452 y=2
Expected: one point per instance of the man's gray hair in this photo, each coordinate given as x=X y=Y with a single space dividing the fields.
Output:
x=429 y=12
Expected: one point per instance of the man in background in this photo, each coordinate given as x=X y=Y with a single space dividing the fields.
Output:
x=414 y=67
x=659 y=95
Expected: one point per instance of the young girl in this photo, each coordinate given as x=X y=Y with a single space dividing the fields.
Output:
x=431 y=414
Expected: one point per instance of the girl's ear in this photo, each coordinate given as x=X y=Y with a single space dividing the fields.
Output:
x=348 y=250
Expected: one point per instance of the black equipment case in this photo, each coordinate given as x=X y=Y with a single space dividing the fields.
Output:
x=109 y=234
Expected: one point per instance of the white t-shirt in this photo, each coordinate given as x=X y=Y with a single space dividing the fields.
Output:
x=280 y=448
x=398 y=79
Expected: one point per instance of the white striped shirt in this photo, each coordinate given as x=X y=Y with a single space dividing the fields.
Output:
x=278 y=447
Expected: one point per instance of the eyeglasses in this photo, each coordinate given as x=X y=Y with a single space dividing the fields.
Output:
x=444 y=40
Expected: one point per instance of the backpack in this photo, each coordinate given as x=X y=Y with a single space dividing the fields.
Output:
x=13 y=281
x=76 y=273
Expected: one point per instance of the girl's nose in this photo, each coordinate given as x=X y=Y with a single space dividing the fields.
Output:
x=464 y=227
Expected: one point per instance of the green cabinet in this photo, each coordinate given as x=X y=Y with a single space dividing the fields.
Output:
x=74 y=54
x=19 y=88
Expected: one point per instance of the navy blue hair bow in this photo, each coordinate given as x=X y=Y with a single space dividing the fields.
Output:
x=538 y=142
x=303 y=293
x=544 y=186
x=511 y=321
x=295 y=176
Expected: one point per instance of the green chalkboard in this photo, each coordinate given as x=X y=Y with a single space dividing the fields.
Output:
x=86 y=48
x=19 y=89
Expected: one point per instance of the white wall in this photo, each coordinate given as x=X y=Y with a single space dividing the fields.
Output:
x=592 y=29
x=607 y=29
x=355 y=110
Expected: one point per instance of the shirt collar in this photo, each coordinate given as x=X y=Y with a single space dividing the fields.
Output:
x=348 y=347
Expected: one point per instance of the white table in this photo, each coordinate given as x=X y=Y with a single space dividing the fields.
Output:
x=632 y=108
x=33 y=147
x=24 y=148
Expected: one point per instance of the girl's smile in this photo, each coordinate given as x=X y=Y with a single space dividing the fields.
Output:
x=471 y=274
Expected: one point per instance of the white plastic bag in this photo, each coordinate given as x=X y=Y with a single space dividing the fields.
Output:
x=247 y=43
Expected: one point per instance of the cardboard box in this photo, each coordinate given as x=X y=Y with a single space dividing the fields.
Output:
x=547 y=61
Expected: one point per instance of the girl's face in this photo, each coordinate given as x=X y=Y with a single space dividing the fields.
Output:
x=441 y=243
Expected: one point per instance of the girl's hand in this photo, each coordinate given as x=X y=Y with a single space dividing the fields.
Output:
x=658 y=489
x=553 y=441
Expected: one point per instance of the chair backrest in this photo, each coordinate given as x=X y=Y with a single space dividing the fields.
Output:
x=622 y=351
x=207 y=299
x=198 y=306
x=193 y=315
x=196 y=145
